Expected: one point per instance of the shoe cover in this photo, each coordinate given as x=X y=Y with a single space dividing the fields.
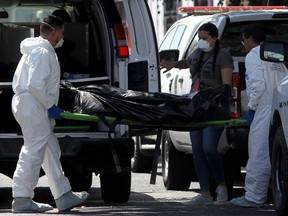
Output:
x=243 y=202
x=222 y=195
x=71 y=199
x=201 y=200
x=27 y=205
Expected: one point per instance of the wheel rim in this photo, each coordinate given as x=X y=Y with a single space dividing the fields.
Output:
x=166 y=159
x=279 y=173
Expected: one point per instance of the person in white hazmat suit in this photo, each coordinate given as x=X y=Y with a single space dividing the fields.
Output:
x=36 y=87
x=261 y=78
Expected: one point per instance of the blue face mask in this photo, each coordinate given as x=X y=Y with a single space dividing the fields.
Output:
x=204 y=45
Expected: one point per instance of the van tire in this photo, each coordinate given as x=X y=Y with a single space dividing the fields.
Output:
x=279 y=173
x=176 y=166
x=115 y=188
x=141 y=163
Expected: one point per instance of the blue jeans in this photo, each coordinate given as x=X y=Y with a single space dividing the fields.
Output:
x=206 y=156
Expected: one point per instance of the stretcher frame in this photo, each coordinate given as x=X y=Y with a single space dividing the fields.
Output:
x=159 y=126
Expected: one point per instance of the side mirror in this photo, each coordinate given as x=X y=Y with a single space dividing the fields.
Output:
x=3 y=14
x=169 y=55
x=274 y=51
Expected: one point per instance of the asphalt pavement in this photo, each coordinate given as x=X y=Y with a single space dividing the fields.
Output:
x=145 y=199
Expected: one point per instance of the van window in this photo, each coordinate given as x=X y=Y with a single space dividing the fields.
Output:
x=28 y=14
x=173 y=38
x=167 y=40
x=193 y=45
x=178 y=36
x=232 y=35
x=83 y=54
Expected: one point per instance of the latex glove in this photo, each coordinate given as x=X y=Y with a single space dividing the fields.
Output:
x=249 y=116
x=54 y=112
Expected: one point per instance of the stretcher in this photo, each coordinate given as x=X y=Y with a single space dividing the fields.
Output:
x=186 y=126
x=182 y=126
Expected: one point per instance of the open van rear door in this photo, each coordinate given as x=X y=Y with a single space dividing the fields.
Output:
x=143 y=70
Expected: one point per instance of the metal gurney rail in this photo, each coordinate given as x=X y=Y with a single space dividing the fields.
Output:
x=163 y=126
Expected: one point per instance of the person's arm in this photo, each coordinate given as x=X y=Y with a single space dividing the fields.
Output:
x=226 y=74
x=38 y=76
x=182 y=64
x=254 y=78
x=226 y=68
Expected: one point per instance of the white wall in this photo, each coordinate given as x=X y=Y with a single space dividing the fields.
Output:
x=157 y=12
x=187 y=3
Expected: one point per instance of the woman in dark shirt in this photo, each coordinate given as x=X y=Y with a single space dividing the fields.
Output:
x=209 y=66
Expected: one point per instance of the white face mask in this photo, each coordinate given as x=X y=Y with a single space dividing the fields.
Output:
x=204 y=45
x=59 y=44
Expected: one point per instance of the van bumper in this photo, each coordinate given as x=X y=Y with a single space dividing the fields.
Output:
x=85 y=154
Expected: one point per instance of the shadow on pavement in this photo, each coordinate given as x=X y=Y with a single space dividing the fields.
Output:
x=139 y=204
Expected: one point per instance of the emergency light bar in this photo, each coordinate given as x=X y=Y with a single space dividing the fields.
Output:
x=219 y=9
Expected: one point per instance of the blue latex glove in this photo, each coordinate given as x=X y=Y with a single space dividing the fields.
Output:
x=54 y=112
x=249 y=116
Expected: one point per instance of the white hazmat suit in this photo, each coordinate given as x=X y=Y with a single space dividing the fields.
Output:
x=261 y=79
x=36 y=88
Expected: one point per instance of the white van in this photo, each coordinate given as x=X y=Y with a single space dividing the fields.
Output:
x=277 y=51
x=178 y=43
x=114 y=43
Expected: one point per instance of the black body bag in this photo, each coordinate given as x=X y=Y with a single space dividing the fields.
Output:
x=205 y=105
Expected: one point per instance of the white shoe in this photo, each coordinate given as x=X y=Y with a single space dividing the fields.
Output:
x=71 y=199
x=201 y=200
x=222 y=195
x=243 y=202
x=27 y=205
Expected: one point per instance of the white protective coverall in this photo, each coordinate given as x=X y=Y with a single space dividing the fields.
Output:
x=36 y=87
x=261 y=79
